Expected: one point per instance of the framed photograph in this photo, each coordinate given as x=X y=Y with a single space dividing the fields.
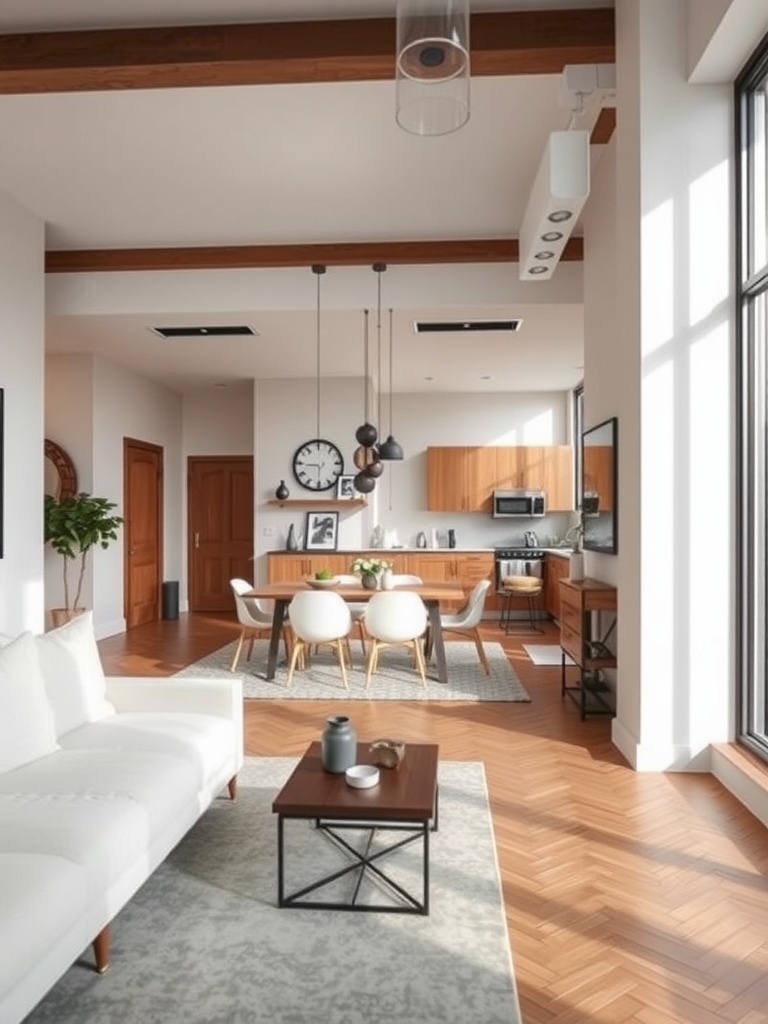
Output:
x=322 y=531
x=345 y=487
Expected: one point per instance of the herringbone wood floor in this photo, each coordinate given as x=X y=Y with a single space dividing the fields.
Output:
x=629 y=897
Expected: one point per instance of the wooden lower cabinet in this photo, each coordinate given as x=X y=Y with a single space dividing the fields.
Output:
x=556 y=568
x=466 y=568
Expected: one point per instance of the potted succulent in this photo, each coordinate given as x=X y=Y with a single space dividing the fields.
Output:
x=73 y=525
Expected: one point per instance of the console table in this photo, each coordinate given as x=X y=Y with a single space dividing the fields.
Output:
x=584 y=635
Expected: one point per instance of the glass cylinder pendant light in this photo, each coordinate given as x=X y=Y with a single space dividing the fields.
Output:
x=432 y=65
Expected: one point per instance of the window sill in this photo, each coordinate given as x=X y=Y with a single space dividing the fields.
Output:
x=744 y=775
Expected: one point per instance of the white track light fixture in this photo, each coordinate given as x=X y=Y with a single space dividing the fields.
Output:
x=558 y=195
x=432 y=65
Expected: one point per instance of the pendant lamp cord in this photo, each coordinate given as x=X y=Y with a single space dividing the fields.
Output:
x=391 y=431
x=378 y=357
x=318 y=269
x=365 y=370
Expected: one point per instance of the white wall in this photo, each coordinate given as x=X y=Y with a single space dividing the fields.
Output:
x=92 y=405
x=674 y=315
x=21 y=374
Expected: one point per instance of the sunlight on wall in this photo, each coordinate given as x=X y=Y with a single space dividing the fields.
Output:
x=709 y=244
x=658 y=273
x=539 y=429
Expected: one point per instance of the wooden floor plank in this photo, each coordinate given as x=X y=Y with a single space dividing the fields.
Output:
x=630 y=898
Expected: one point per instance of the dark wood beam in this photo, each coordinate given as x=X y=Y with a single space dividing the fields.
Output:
x=332 y=254
x=514 y=43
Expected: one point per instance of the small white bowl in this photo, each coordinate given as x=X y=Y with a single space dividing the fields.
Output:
x=362 y=776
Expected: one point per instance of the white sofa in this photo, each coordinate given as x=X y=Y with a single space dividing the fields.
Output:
x=99 y=780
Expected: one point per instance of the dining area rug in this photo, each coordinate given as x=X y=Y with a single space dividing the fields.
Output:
x=395 y=678
x=204 y=942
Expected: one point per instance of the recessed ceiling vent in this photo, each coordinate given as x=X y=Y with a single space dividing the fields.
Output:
x=447 y=326
x=205 y=332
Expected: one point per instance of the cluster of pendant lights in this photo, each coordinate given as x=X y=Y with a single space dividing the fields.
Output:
x=369 y=457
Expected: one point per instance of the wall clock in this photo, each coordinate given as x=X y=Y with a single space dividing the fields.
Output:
x=318 y=464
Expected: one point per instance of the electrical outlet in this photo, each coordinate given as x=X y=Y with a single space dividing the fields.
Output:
x=268 y=531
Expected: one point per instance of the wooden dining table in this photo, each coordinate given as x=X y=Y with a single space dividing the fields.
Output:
x=432 y=594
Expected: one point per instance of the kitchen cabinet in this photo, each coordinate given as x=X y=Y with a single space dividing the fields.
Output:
x=556 y=568
x=460 y=479
x=283 y=566
x=465 y=568
x=587 y=618
x=463 y=478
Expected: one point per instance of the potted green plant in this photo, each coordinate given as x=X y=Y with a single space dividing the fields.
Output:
x=73 y=525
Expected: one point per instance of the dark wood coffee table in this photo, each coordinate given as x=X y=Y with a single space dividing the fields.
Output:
x=405 y=801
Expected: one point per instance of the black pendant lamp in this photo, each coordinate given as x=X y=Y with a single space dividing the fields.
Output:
x=390 y=450
x=366 y=434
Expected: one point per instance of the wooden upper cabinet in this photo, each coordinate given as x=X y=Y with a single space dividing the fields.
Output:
x=463 y=479
x=460 y=479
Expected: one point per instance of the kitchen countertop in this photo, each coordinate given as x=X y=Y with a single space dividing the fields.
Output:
x=562 y=552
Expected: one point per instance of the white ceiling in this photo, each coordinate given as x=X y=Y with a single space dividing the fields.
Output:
x=254 y=165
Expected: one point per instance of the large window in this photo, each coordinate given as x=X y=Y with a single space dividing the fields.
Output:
x=752 y=252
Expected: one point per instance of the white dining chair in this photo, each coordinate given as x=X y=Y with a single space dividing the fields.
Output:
x=405 y=579
x=319 y=617
x=356 y=608
x=466 y=622
x=395 y=618
x=255 y=621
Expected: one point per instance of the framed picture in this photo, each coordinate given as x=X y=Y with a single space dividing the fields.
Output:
x=345 y=487
x=322 y=531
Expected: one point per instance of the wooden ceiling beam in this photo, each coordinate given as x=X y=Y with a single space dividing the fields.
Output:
x=333 y=254
x=513 y=43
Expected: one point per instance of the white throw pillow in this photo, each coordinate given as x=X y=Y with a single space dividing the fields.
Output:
x=74 y=677
x=27 y=729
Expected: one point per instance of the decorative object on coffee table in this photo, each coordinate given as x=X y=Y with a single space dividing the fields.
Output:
x=387 y=753
x=338 y=744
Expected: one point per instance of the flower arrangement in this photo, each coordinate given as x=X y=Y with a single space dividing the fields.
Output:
x=576 y=532
x=369 y=566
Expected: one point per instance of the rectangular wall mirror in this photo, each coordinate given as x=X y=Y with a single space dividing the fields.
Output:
x=599 y=491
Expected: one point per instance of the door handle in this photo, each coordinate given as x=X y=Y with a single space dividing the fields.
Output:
x=197 y=540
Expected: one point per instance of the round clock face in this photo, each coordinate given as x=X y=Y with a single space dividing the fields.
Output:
x=318 y=464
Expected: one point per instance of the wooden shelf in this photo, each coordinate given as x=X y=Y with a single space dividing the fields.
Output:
x=319 y=502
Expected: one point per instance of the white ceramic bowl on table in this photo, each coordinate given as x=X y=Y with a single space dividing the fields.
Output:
x=362 y=776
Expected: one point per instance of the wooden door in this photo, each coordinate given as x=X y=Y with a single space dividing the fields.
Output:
x=142 y=531
x=220 y=528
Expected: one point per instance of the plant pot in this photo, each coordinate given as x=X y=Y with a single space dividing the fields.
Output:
x=576 y=565
x=61 y=616
x=369 y=581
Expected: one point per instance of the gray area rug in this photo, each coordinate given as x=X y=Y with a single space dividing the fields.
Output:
x=203 y=941
x=395 y=679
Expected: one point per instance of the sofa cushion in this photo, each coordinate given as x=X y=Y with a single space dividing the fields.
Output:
x=27 y=728
x=203 y=741
x=101 y=809
x=74 y=677
x=42 y=897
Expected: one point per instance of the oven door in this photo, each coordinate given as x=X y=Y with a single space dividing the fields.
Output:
x=517 y=567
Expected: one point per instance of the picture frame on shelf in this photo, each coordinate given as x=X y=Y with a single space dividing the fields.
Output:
x=322 y=531
x=345 y=487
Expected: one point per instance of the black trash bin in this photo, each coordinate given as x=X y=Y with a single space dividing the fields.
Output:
x=171 y=599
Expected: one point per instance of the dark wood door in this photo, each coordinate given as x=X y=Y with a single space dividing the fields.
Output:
x=143 y=503
x=220 y=520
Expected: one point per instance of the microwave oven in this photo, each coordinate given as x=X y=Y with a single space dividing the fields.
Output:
x=520 y=503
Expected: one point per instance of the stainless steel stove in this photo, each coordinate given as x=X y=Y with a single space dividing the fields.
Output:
x=518 y=561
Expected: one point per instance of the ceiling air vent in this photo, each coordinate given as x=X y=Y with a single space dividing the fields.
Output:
x=204 y=332
x=446 y=326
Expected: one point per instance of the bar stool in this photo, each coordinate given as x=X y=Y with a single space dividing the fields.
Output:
x=527 y=587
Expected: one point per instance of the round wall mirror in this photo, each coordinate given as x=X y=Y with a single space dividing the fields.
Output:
x=60 y=475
